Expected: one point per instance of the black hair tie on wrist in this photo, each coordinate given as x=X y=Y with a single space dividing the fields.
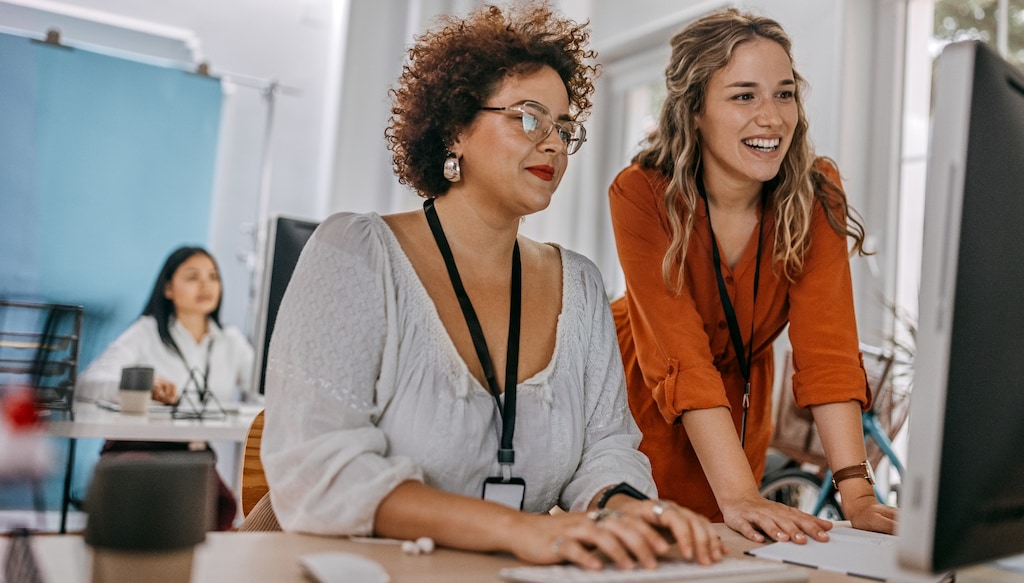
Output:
x=622 y=488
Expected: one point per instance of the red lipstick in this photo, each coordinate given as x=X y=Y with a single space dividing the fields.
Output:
x=543 y=172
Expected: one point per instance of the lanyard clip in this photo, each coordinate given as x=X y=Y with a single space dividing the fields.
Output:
x=746 y=397
x=506 y=457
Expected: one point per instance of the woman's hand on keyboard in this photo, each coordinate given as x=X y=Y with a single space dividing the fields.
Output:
x=634 y=533
x=690 y=531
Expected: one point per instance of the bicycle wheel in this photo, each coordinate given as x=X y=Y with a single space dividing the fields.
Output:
x=799 y=489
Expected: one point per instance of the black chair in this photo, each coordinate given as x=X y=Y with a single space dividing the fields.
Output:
x=39 y=346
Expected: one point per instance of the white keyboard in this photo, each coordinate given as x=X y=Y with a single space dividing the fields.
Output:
x=729 y=570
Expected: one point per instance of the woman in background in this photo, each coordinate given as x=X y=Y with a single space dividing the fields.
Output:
x=728 y=228
x=179 y=335
x=400 y=399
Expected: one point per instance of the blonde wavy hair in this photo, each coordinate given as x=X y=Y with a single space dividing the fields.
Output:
x=698 y=51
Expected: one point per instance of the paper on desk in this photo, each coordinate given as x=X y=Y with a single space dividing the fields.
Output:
x=152 y=407
x=1015 y=564
x=849 y=551
x=158 y=407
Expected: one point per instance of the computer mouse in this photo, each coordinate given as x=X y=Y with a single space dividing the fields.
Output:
x=338 y=567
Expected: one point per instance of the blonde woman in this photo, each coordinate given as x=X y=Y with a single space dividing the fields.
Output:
x=728 y=228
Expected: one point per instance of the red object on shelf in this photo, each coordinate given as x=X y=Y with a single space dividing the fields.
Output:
x=18 y=406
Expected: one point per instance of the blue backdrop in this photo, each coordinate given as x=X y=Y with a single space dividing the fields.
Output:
x=106 y=165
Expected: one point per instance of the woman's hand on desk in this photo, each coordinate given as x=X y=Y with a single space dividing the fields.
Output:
x=867 y=513
x=753 y=515
x=633 y=535
x=164 y=390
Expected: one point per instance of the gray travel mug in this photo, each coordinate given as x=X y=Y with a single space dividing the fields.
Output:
x=135 y=388
x=146 y=513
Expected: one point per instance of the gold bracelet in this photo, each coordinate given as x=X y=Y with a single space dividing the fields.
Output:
x=861 y=470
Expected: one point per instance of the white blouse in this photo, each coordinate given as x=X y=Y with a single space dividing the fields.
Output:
x=365 y=390
x=230 y=360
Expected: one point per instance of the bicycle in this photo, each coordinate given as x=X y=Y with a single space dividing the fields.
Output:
x=814 y=493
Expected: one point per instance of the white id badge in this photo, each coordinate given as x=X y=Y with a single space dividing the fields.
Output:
x=511 y=493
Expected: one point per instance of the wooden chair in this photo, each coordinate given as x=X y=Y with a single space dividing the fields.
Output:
x=254 y=482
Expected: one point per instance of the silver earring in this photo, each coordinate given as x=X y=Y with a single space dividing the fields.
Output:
x=452 y=171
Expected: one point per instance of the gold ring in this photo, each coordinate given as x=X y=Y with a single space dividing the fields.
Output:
x=659 y=509
x=556 y=545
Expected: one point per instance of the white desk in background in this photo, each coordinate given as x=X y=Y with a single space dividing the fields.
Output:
x=91 y=421
x=229 y=556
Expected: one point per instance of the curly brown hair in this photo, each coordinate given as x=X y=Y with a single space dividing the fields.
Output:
x=453 y=69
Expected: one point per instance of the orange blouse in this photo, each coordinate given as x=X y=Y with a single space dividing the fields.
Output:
x=676 y=348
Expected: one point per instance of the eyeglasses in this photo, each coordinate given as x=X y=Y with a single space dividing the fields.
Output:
x=537 y=124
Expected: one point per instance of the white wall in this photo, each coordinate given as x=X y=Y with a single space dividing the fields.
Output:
x=341 y=57
x=617 y=26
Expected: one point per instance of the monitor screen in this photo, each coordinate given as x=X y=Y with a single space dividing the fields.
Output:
x=285 y=239
x=964 y=490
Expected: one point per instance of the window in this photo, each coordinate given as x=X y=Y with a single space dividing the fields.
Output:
x=999 y=23
x=932 y=24
x=643 y=107
x=635 y=91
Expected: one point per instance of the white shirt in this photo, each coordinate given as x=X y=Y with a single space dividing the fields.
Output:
x=230 y=360
x=365 y=390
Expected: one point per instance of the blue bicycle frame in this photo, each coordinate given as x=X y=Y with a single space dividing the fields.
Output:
x=872 y=429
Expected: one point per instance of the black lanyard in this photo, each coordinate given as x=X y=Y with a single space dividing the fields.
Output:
x=730 y=313
x=201 y=389
x=506 y=453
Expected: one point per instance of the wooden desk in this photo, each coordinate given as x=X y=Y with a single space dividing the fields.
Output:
x=91 y=421
x=274 y=557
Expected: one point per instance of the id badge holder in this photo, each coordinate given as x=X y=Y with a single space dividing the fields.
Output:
x=511 y=492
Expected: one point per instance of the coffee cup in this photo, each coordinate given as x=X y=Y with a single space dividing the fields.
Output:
x=135 y=388
x=146 y=513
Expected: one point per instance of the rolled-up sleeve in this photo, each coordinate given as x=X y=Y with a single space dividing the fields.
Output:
x=823 y=327
x=672 y=347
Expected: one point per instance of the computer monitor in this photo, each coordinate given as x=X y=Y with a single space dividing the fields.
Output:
x=286 y=237
x=964 y=489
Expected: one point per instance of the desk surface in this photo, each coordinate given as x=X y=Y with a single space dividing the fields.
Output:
x=93 y=421
x=274 y=557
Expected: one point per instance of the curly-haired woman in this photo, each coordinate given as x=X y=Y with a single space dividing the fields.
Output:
x=434 y=373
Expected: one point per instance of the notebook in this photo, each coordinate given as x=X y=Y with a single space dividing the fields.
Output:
x=858 y=553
